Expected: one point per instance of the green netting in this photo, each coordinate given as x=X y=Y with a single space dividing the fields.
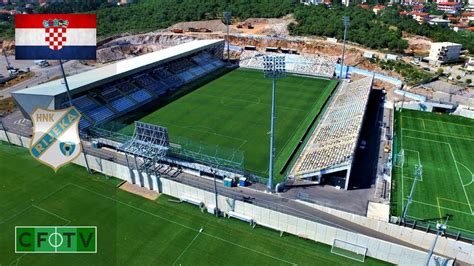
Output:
x=213 y=155
x=184 y=148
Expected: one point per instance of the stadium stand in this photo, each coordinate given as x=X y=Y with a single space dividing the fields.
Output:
x=100 y=114
x=309 y=64
x=180 y=65
x=130 y=93
x=167 y=78
x=110 y=91
x=83 y=103
x=140 y=95
x=333 y=142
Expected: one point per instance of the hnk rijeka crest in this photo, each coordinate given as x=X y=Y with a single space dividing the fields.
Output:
x=55 y=139
x=55 y=30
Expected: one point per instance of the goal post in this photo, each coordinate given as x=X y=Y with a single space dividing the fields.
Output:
x=400 y=158
x=348 y=250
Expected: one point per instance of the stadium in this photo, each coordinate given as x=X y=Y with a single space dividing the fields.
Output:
x=177 y=120
x=200 y=111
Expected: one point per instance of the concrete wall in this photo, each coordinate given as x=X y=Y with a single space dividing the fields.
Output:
x=297 y=226
x=445 y=246
x=282 y=222
x=465 y=111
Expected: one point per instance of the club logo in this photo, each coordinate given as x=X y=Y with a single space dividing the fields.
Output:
x=55 y=139
x=55 y=33
x=56 y=239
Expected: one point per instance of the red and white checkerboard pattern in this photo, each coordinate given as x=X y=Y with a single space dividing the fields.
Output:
x=55 y=37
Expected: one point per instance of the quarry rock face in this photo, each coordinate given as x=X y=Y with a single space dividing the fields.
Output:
x=133 y=45
x=8 y=45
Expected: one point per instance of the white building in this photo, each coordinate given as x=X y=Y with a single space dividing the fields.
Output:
x=470 y=64
x=442 y=52
x=470 y=6
x=439 y=22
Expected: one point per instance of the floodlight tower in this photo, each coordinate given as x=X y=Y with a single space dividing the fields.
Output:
x=418 y=174
x=70 y=104
x=227 y=17
x=441 y=229
x=273 y=67
x=346 y=21
x=213 y=172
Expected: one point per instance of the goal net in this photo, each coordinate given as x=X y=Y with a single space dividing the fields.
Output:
x=400 y=158
x=348 y=250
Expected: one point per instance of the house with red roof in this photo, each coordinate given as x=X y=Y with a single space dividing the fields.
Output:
x=449 y=7
x=420 y=16
x=378 y=8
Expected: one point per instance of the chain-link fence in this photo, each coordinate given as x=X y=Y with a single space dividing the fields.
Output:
x=429 y=226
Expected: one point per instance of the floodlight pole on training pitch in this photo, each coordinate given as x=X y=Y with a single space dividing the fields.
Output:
x=70 y=104
x=227 y=17
x=346 y=21
x=403 y=99
x=273 y=67
x=418 y=174
x=441 y=229
x=215 y=190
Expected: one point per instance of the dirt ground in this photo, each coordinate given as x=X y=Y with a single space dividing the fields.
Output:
x=213 y=25
x=264 y=26
x=417 y=45
x=140 y=191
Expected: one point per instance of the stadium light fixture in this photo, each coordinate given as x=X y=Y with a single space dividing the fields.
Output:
x=213 y=171
x=441 y=229
x=418 y=174
x=273 y=67
x=227 y=18
x=346 y=22
x=70 y=104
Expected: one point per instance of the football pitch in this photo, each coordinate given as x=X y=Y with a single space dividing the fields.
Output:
x=132 y=230
x=443 y=145
x=233 y=112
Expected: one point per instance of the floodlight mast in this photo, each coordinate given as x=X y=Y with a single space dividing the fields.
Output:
x=418 y=174
x=346 y=22
x=227 y=18
x=273 y=67
x=70 y=104
x=215 y=191
x=441 y=229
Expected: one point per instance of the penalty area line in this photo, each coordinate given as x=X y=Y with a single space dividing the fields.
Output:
x=187 y=247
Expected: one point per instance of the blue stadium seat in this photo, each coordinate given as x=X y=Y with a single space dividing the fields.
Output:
x=84 y=103
x=140 y=95
x=100 y=114
x=84 y=123
x=122 y=104
x=186 y=76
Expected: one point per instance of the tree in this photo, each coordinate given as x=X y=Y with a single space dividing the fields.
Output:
x=440 y=71
x=468 y=81
x=458 y=77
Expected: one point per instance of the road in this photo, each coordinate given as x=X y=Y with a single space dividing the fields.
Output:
x=44 y=74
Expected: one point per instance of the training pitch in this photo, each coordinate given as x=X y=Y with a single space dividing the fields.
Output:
x=443 y=145
x=130 y=229
x=233 y=112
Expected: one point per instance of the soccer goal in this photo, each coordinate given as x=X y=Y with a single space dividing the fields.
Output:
x=348 y=250
x=400 y=158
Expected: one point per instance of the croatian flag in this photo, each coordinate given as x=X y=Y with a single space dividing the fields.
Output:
x=55 y=36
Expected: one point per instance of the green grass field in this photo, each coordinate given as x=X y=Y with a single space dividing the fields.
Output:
x=233 y=111
x=131 y=229
x=444 y=146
